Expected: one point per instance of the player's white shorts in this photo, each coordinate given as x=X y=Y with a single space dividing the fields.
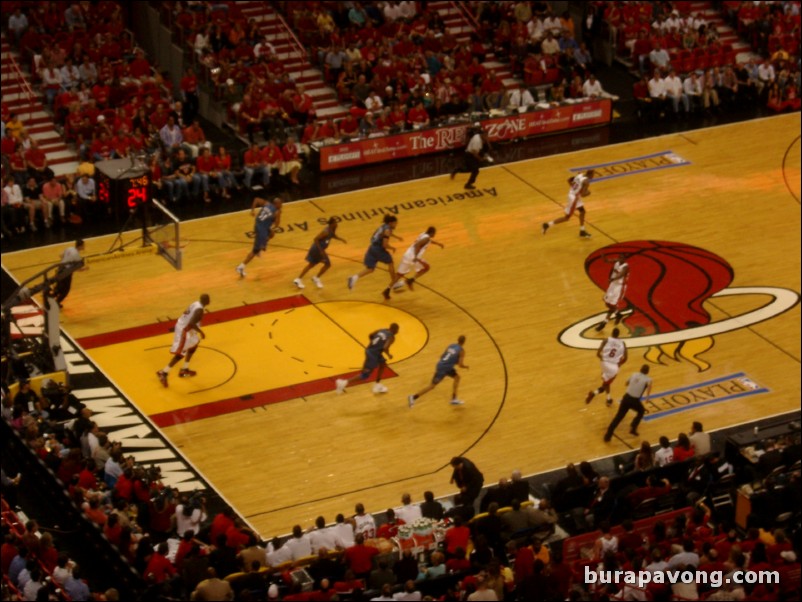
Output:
x=609 y=371
x=574 y=203
x=408 y=263
x=180 y=347
x=615 y=293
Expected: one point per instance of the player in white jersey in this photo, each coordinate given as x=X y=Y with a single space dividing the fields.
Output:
x=413 y=260
x=580 y=187
x=616 y=291
x=612 y=353
x=186 y=338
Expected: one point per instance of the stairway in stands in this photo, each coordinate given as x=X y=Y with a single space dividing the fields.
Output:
x=294 y=57
x=20 y=98
x=727 y=34
x=459 y=25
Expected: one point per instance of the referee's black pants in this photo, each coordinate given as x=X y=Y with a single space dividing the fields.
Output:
x=470 y=165
x=627 y=403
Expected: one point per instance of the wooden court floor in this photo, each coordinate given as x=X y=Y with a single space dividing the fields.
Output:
x=723 y=204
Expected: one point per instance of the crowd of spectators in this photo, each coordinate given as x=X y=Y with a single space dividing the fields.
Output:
x=109 y=102
x=683 y=65
x=395 y=64
x=512 y=548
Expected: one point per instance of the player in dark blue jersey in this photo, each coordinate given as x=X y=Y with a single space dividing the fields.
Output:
x=377 y=348
x=317 y=253
x=453 y=356
x=267 y=220
x=379 y=250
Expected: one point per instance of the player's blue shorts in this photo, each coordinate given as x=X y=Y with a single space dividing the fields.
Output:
x=314 y=257
x=372 y=360
x=261 y=238
x=438 y=376
x=374 y=256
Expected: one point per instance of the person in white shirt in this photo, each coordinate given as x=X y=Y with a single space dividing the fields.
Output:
x=276 y=554
x=700 y=441
x=407 y=10
x=519 y=97
x=299 y=544
x=673 y=23
x=409 y=512
x=88 y=72
x=343 y=533
x=51 y=82
x=592 y=88
x=392 y=12
x=187 y=517
x=17 y=23
x=664 y=455
x=675 y=91
x=552 y=23
x=322 y=537
x=373 y=102
x=693 y=90
x=659 y=57
x=534 y=29
x=550 y=46
x=364 y=523
x=657 y=92
x=13 y=196
x=70 y=75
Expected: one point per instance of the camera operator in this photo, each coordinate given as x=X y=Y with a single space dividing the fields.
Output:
x=161 y=514
x=27 y=399
x=63 y=404
x=190 y=513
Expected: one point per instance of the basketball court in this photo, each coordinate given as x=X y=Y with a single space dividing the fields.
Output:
x=710 y=218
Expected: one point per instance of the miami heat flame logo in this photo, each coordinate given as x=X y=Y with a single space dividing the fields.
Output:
x=669 y=286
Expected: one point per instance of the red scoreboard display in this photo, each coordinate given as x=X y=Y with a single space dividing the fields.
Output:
x=124 y=193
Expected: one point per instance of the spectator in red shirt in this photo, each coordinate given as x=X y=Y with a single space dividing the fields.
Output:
x=272 y=157
x=225 y=179
x=205 y=167
x=291 y=164
x=349 y=126
x=159 y=117
x=359 y=557
x=87 y=478
x=101 y=148
x=302 y=106
x=101 y=92
x=222 y=522
x=36 y=161
x=113 y=529
x=398 y=116
x=159 y=567
x=389 y=529
x=94 y=512
x=652 y=489
x=124 y=487
x=195 y=139
x=140 y=67
x=7 y=552
x=328 y=130
x=237 y=536
x=456 y=537
x=8 y=144
x=683 y=449
x=418 y=116
x=249 y=116
x=253 y=164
